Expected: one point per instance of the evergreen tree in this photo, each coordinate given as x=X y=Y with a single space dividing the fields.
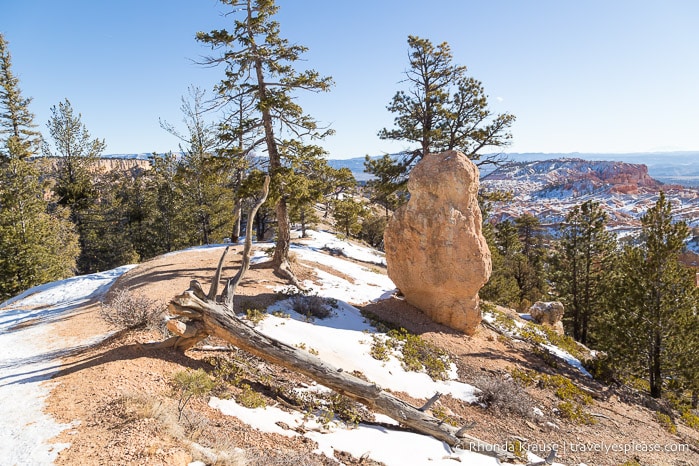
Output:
x=528 y=266
x=75 y=175
x=204 y=178
x=169 y=219
x=387 y=189
x=305 y=175
x=582 y=265
x=348 y=214
x=502 y=287
x=373 y=227
x=652 y=320
x=76 y=157
x=104 y=231
x=35 y=246
x=442 y=110
x=259 y=65
x=138 y=202
x=16 y=121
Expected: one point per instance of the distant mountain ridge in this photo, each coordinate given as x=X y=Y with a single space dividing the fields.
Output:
x=667 y=167
x=549 y=189
x=574 y=177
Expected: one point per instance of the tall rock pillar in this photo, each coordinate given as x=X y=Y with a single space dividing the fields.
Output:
x=435 y=249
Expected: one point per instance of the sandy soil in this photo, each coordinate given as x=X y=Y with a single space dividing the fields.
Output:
x=127 y=408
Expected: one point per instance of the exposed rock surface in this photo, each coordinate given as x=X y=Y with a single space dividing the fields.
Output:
x=435 y=250
x=548 y=313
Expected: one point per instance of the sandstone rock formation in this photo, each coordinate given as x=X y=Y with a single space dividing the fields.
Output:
x=548 y=313
x=435 y=250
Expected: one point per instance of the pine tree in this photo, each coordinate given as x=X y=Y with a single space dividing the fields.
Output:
x=305 y=175
x=169 y=219
x=528 y=266
x=16 y=121
x=442 y=110
x=259 y=65
x=35 y=246
x=652 y=320
x=76 y=155
x=204 y=178
x=348 y=213
x=387 y=188
x=76 y=175
x=582 y=263
x=502 y=287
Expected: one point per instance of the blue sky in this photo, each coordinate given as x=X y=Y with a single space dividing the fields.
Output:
x=592 y=76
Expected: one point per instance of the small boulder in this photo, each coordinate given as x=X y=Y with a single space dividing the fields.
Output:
x=548 y=313
x=436 y=253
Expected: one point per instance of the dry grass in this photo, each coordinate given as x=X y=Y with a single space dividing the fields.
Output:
x=127 y=309
x=505 y=396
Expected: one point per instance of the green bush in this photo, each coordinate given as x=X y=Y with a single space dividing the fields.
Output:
x=417 y=355
x=255 y=316
x=189 y=384
x=691 y=420
x=250 y=398
x=666 y=422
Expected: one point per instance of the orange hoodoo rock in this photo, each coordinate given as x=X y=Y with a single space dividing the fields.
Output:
x=435 y=249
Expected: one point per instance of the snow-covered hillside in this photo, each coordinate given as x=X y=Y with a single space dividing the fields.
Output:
x=549 y=189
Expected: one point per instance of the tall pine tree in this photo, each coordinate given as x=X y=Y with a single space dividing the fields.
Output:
x=35 y=246
x=443 y=109
x=260 y=65
x=582 y=265
x=653 y=316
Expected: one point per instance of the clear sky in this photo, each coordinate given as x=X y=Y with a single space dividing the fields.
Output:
x=580 y=76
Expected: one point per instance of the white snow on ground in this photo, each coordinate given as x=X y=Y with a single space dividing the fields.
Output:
x=325 y=240
x=30 y=356
x=568 y=358
x=391 y=447
x=555 y=350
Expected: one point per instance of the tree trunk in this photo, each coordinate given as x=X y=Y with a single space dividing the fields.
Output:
x=208 y=317
x=237 y=215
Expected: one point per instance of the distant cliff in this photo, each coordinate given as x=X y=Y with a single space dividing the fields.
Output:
x=574 y=177
x=548 y=189
x=131 y=164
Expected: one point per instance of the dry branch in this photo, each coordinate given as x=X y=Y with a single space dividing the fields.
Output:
x=218 y=320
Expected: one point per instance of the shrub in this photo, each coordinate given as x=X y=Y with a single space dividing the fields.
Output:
x=255 y=316
x=572 y=397
x=505 y=396
x=440 y=413
x=574 y=412
x=130 y=310
x=690 y=419
x=312 y=306
x=189 y=384
x=250 y=398
x=417 y=355
x=346 y=409
x=523 y=377
x=666 y=422
x=379 y=349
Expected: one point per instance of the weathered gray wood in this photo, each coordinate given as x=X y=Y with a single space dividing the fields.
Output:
x=221 y=322
x=213 y=291
x=233 y=283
